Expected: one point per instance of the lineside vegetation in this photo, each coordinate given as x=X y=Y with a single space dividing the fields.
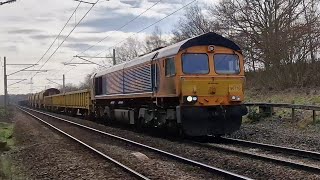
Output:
x=280 y=39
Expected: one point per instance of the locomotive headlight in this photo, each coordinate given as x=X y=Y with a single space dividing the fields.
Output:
x=235 y=98
x=189 y=98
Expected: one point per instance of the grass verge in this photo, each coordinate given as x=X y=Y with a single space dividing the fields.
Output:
x=6 y=139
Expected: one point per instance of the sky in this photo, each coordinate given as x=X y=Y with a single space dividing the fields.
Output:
x=29 y=27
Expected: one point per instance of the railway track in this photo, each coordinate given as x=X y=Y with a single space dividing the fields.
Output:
x=269 y=153
x=280 y=149
x=224 y=173
x=122 y=166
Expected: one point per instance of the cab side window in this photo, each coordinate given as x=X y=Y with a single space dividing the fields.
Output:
x=170 y=67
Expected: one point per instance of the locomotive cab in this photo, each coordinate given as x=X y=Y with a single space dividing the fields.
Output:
x=213 y=78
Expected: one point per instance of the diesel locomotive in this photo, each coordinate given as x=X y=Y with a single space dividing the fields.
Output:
x=195 y=86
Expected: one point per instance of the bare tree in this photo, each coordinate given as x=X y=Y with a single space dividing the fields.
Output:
x=69 y=87
x=129 y=50
x=86 y=83
x=280 y=38
x=193 y=23
x=273 y=32
x=155 y=40
x=312 y=16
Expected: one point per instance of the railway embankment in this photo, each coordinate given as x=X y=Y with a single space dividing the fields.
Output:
x=283 y=132
x=307 y=96
x=281 y=129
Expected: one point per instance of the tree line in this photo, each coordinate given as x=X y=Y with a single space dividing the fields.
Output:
x=279 y=38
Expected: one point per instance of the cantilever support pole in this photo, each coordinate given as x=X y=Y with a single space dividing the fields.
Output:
x=114 y=57
x=64 y=84
x=5 y=84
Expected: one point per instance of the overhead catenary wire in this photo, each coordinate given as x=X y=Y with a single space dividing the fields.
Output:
x=7 y=2
x=147 y=27
x=186 y=5
x=67 y=36
x=56 y=38
x=121 y=27
x=133 y=19
x=17 y=82
x=59 y=33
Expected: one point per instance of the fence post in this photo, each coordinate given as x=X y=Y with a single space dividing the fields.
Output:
x=292 y=111
x=314 y=114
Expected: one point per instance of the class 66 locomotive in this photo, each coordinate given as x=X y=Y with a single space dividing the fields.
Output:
x=195 y=86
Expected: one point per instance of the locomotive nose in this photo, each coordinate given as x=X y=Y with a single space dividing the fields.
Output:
x=211 y=91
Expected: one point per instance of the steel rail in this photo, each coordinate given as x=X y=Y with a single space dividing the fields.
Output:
x=222 y=172
x=281 y=149
x=126 y=168
x=267 y=158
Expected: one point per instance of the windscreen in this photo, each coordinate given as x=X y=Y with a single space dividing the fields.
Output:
x=226 y=64
x=195 y=63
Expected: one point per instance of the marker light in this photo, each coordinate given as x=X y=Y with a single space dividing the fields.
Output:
x=210 y=48
x=194 y=98
x=189 y=98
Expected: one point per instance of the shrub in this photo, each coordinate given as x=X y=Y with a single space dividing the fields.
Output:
x=254 y=116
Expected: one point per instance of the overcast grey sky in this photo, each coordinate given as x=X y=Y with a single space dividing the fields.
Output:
x=28 y=27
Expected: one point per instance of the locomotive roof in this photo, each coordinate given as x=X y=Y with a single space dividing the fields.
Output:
x=210 y=38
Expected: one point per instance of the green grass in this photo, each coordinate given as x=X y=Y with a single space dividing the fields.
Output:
x=7 y=142
x=4 y=113
x=6 y=168
x=296 y=96
x=6 y=131
x=291 y=96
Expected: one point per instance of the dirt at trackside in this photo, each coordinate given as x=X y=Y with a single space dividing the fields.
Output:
x=282 y=132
